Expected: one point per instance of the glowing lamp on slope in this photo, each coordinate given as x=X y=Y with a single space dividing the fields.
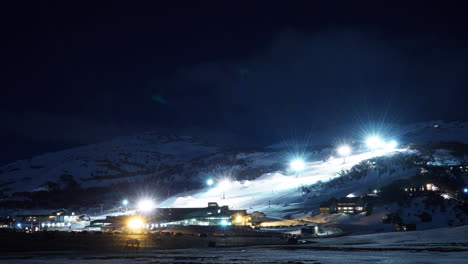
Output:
x=374 y=142
x=224 y=184
x=297 y=165
x=344 y=150
x=209 y=182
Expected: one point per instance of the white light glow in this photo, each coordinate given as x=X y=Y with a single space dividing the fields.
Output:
x=297 y=165
x=374 y=142
x=391 y=145
x=224 y=184
x=146 y=205
x=344 y=150
x=209 y=182
x=125 y=202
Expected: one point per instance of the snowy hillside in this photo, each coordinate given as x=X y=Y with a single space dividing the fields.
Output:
x=94 y=165
x=287 y=195
x=168 y=165
x=174 y=163
x=281 y=195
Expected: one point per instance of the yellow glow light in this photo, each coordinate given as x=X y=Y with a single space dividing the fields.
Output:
x=135 y=223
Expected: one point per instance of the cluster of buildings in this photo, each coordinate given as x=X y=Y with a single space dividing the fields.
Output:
x=41 y=220
x=422 y=188
x=212 y=215
x=64 y=220
x=463 y=168
x=344 y=205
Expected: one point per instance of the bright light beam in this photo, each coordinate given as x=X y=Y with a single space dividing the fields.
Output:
x=224 y=184
x=146 y=205
x=374 y=142
x=297 y=165
x=209 y=182
x=135 y=223
x=344 y=150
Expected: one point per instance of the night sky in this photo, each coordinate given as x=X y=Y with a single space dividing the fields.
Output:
x=244 y=73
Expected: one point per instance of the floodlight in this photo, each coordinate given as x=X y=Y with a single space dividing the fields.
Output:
x=374 y=142
x=344 y=150
x=297 y=165
x=125 y=202
x=146 y=205
x=224 y=184
x=209 y=182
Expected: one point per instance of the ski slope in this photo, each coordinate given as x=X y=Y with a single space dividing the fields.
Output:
x=276 y=194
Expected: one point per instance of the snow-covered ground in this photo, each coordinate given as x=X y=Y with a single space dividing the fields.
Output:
x=117 y=160
x=447 y=245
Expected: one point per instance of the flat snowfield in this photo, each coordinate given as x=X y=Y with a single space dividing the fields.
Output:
x=257 y=255
x=447 y=245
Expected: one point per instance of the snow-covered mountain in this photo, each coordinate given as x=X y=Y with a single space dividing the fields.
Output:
x=96 y=165
x=167 y=162
x=285 y=194
x=176 y=168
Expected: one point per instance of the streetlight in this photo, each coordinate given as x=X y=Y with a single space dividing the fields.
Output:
x=124 y=203
x=465 y=190
x=146 y=205
x=344 y=151
x=209 y=182
x=224 y=185
x=135 y=223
